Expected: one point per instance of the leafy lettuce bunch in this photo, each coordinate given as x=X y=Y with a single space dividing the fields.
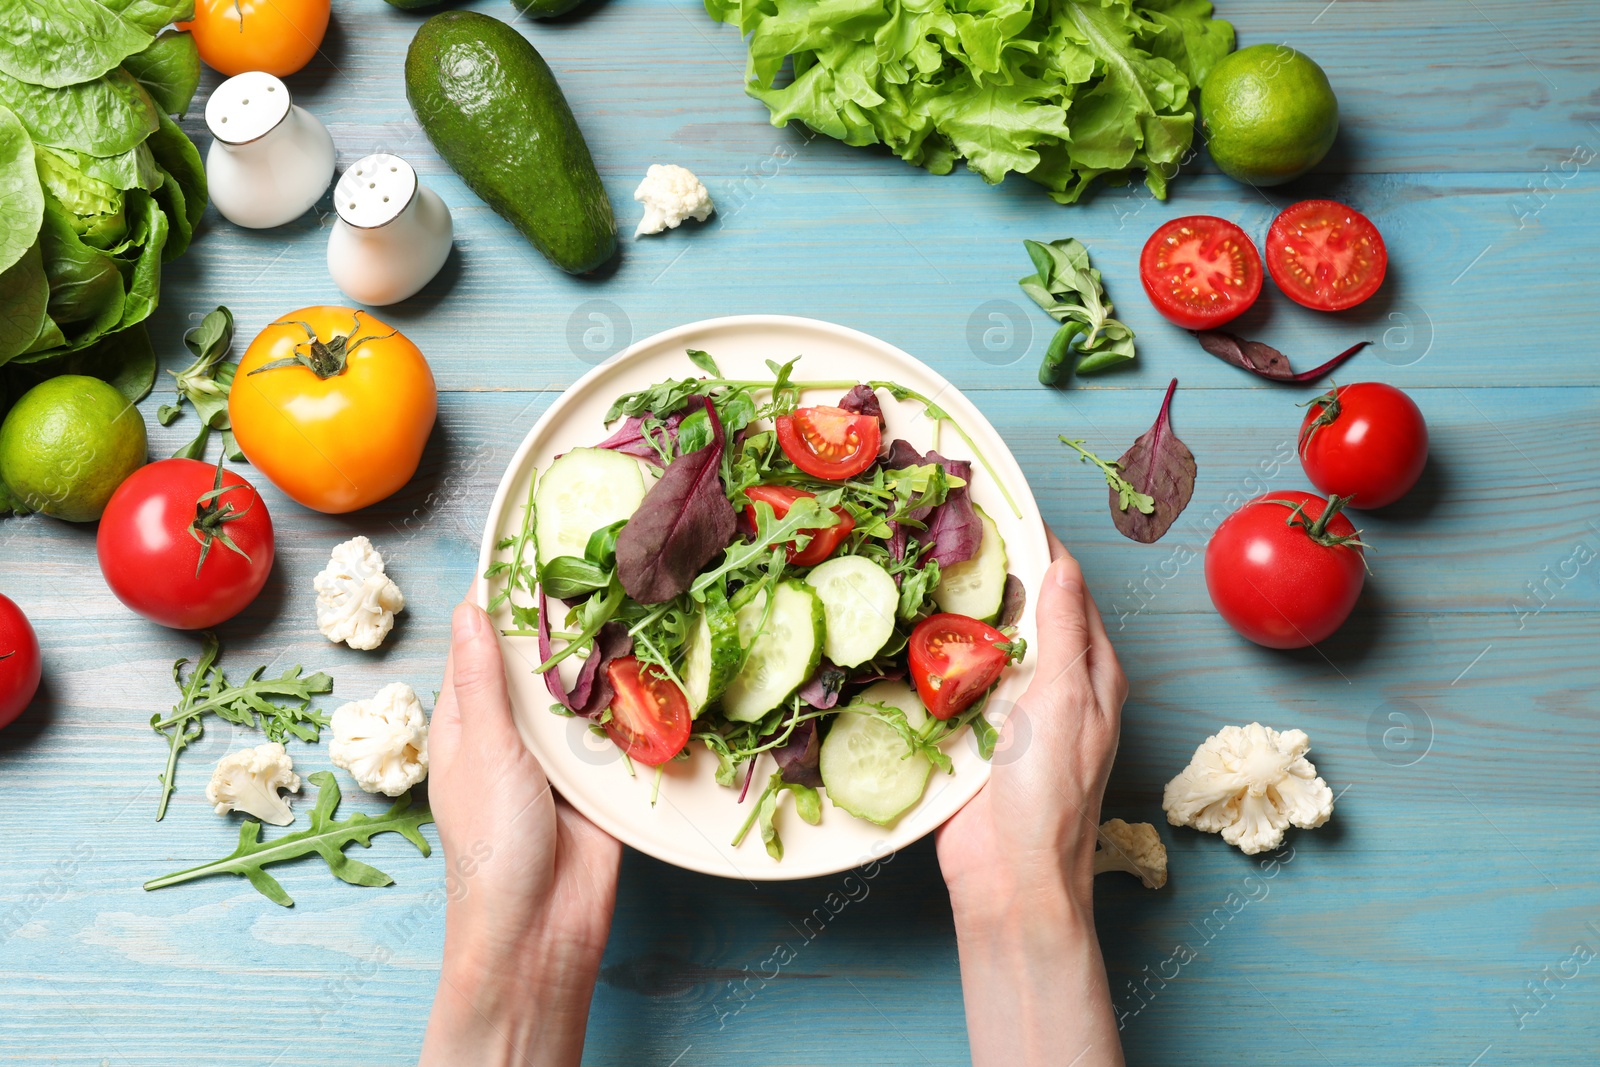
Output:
x=98 y=185
x=1063 y=91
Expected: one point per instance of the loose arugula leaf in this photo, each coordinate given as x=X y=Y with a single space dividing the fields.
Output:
x=684 y=520
x=1071 y=292
x=326 y=837
x=205 y=384
x=1264 y=360
x=807 y=804
x=207 y=691
x=1163 y=468
x=1128 y=494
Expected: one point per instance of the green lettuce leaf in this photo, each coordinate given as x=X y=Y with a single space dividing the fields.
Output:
x=107 y=116
x=61 y=42
x=144 y=280
x=130 y=170
x=152 y=16
x=21 y=198
x=1063 y=91
x=24 y=296
x=86 y=292
x=183 y=194
x=169 y=70
x=125 y=359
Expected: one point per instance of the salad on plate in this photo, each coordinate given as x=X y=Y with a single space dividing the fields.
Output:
x=737 y=571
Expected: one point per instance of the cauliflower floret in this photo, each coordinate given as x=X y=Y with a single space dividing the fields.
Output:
x=248 y=780
x=1132 y=847
x=1249 y=783
x=670 y=195
x=356 y=601
x=382 y=741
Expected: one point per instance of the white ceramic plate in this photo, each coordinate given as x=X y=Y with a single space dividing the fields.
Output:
x=694 y=820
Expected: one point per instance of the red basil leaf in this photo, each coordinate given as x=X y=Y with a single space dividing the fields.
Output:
x=822 y=689
x=799 y=758
x=591 y=692
x=953 y=527
x=863 y=400
x=1263 y=359
x=1162 y=467
x=1013 y=598
x=684 y=520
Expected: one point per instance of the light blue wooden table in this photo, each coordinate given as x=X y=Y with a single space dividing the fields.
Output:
x=1461 y=864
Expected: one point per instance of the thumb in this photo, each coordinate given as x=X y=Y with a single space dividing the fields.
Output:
x=478 y=679
x=1063 y=624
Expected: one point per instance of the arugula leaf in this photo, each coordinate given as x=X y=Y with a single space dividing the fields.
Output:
x=326 y=837
x=207 y=691
x=1128 y=495
x=806 y=513
x=1070 y=290
x=807 y=804
x=204 y=384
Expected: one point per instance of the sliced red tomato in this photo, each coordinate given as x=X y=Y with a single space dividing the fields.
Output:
x=649 y=714
x=829 y=442
x=1200 y=271
x=954 y=661
x=781 y=498
x=1325 y=255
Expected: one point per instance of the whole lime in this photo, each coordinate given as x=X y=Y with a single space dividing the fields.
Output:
x=68 y=443
x=1269 y=114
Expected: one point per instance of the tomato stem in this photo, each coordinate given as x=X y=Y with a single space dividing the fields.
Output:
x=210 y=517
x=1317 y=529
x=324 y=359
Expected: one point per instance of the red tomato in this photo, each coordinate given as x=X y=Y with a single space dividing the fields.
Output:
x=1367 y=442
x=1326 y=256
x=649 y=715
x=1281 y=577
x=829 y=442
x=823 y=541
x=1200 y=271
x=20 y=668
x=162 y=550
x=954 y=661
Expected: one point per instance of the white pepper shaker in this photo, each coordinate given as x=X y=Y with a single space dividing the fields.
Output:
x=270 y=159
x=393 y=233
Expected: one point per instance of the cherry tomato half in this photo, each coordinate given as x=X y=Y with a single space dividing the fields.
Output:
x=1200 y=271
x=781 y=498
x=342 y=441
x=650 y=717
x=1282 y=578
x=954 y=661
x=20 y=666
x=161 y=544
x=276 y=36
x=1366 y=441
x=829 y=442
x=1325 y=255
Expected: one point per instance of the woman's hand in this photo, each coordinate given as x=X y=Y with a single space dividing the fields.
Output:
x=1019 y=858
x=530 y=882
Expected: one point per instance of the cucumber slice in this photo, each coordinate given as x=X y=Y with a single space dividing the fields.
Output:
x=781 y=657
x=864 y=763
x=582 y=491
x=712 y=656
x=976 y=587
x=858 y=605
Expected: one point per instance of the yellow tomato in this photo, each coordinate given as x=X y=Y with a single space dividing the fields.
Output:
x=277 y=36
x=335 y=417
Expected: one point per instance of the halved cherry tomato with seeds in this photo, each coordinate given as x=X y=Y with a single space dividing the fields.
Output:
x=1325 y=255
x=649 y=714
x=823 y=541
x=954 y=661
x=829 y=442
x=1200 y=271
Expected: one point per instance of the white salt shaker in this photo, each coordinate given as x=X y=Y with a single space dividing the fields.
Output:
x=393 y=232
x=270 y=160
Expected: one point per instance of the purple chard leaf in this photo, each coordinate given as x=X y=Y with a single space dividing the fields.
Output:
x=799 y=758
x=684 y=520
x=591 y=692
x=1162 y=467
x=1265 y=360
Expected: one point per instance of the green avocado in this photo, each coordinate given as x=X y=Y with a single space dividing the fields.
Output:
x=544 y=9
x=492 y=108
